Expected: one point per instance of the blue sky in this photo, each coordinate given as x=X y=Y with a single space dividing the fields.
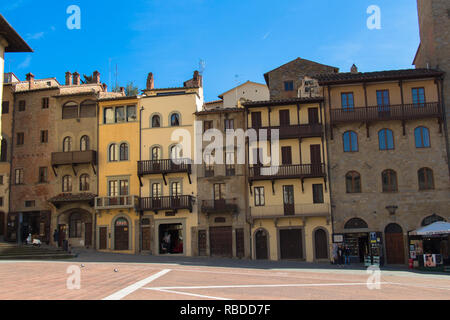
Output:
x=237 y=40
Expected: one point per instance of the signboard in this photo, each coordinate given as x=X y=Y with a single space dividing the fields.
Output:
x=373 y=237
x=338 y=238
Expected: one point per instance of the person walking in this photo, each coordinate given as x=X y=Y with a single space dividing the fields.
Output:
x=347 y=255
x=340 y=255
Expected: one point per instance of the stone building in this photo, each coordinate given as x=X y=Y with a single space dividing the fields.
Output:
x=434 y=48
x=387 y=157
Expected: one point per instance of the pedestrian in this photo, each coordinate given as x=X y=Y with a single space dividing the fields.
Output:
x=56 y=237
x=347 y=255
x=340 y=255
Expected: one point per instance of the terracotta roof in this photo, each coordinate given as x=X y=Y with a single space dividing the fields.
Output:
x=72 y=197
x=281 y=102
x=214 y=102
x=15 y=41
x=219 y=110
x=348 y=77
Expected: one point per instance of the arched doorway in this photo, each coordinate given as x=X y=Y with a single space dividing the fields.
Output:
x=321 y=244
x=395 y=247
x=261 y=248
x=121 y=234
x=75 y=226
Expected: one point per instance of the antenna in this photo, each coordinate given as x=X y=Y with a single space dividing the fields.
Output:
x=116 y=75
x=109 y=72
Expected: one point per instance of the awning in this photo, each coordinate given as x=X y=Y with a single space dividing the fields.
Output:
x=436 y=228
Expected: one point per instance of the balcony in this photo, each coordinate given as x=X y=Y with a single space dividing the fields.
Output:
x=220 y=206
x=163 y=166
x=295 y=131
x=291 y=171
x=74 y=158
x=389 y=112
x=118 y=202
x=291 y=211
x=166 y=203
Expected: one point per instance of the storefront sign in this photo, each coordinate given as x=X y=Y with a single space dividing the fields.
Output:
x=338 y=238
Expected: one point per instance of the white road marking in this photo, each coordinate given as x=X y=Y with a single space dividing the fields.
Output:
x=189 y=294
x=421 y=286
x=269 y=286
x=130 y=289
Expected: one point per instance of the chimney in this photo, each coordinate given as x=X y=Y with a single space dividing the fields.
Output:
x=96 y=77
x=150 y=81
x=30 y=79
x=354 y=69
x=105 y=87
x=76 y=79
x=122 y=90
x=68 y=78
x=198 y=79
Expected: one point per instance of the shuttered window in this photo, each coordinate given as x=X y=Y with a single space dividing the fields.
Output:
x=70 y=111
x=88 y=109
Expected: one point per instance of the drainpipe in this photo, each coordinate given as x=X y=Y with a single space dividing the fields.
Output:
x=140 y=189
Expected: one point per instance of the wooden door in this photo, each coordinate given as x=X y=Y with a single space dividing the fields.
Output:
x=286 y=155
x=395 y=251
x=284 y=118
x=88 y=234
x=257 y=161
x=2 y=223
x=313 y=116
x=316 y=159
x=103 y=238
x=11 y=228
x=321 y=244
x=121 y=235
x=220 y=241
x=202 y=242
x=62 y=234
x=261 y=246
x=291 y=244
x=146 y=231
x=240 y=245
x=256 y=120
x=288 y=200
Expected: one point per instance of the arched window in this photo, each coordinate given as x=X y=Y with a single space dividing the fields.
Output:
x=112 y=152
x=431 y=219
x=4 y=151
x=84 y=182
x=356 y=223
x=67 y=184
x=67 y=144
x=389 y=180
x=84 y=143
x=350 y=141
x=175 y=120
x=386 y=139
x=353 y=182
x=422 y=137
x=156 y=121
x=123 y=152
x=426 y=180
x=156 y=153
x=75 y=225
x=176 y=152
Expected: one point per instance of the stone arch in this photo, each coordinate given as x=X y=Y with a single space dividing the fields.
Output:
x=261 y=244
x=113 y=230
x=356 y=223
x=321 y=248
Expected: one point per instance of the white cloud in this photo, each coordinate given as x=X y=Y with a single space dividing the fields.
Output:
x=26 y=63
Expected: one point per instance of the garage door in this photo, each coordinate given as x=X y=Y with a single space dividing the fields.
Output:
x=291 y=244
x=220 y=241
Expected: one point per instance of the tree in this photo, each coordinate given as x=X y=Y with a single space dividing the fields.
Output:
x=131 y=89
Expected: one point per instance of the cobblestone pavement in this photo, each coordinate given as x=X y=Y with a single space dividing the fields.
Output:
x=114 y=277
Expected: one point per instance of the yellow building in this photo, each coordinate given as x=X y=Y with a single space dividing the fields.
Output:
x=168 y=188
x=117 y=204
x=289 y=203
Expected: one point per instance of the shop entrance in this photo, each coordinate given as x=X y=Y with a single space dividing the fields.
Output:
x=291 y=244
x=121 y=234
x=321 y=244
x=358 y=246
x=220 y=239
x=395 y=252
x=171 y=238
x=30 y=224
x=261 y=251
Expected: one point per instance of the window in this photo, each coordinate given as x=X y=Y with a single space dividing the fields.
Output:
x=229 y=124
x=20 y=138
x=30 y=203
x=219 y=190
x=347 y=101
x=207 y=125
x=67 y=184
x=19 y=176
x=67 y=144
x=5 y=107
x=353 y=182
x=75 y=225
x=259 y=196
x=22 y=105
x=175 y=120
x=386 y=139
x=112 y=152
x=84 y=143
x=422 y=137
x=156 y=153
x=350 y=141
x=209 y=165
x=70 y=111
x=108 y=115
x=175 y=189
x=156 y=190
x=318 y=193
x=156 y=121
x=131 y=113
x=113 y=188
x=1 y=180
x=44 y=136
x=123 y=187
x=382 y=98
x=289 y=85
x=426 y=180
x=389 y=181
x=4 y=151
x=1 y=201
x=418 y=97
x=84 y=182
x=229 y=161
x=123 y=152
x=286 y=155
x=45 y=102
x=120 y=114
x=88 y=109
x=175 y=152
x=43 y=174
